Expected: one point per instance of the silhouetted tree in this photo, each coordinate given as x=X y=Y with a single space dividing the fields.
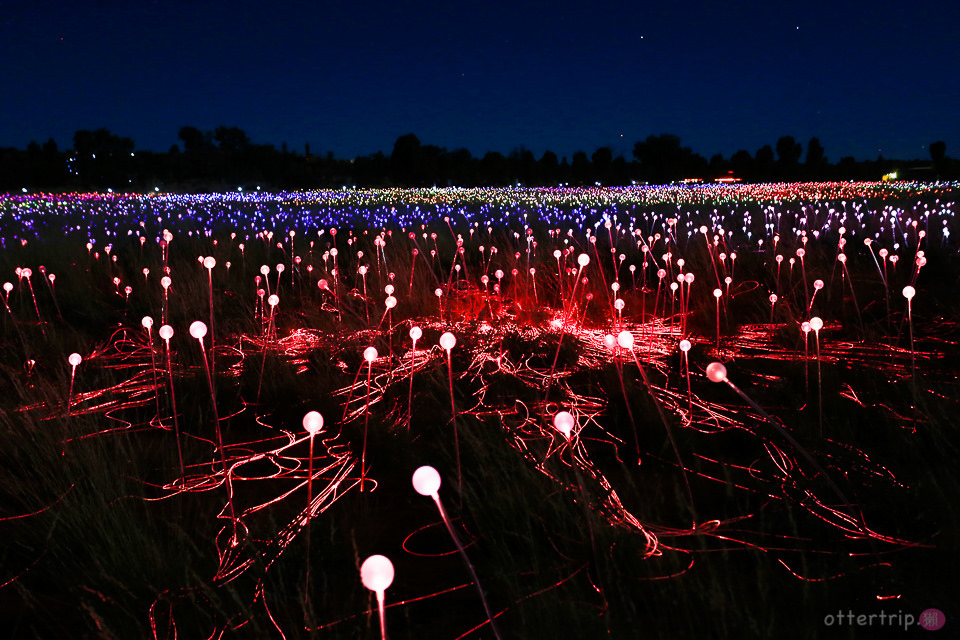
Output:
x=816 y=160
x=602 y=160
x=580 y=168
x=406 y=160
x=763 y=163
x=192 y=138
x=231 y=139
x=548 y=168
x=938 y=155
x=788 y=156
x=662 y=158
x=742 y=164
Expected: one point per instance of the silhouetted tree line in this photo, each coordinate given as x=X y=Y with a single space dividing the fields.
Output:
x=225 y=158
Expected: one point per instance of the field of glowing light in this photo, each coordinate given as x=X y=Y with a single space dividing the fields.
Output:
x=716 y=410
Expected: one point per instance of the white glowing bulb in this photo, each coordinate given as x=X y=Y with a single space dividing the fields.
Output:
x=816 y=323
x=625 y=340
x=165 y=282
x=685 y=345
x=147 y=323
x=313 y=422
x=426 y=481
x=209 y=262
x=166 y=332
x=198 y=330
x=273 y=300
x=391 y=302
x=370 y=354
x=448 y=341
x=583 y=259
x=909 y=292
x=74 y=359
x=716 y=372
x=376 y=573
x=564 y=423
x=415 y=333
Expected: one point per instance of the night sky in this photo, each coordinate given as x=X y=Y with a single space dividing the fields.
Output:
x=350 y=77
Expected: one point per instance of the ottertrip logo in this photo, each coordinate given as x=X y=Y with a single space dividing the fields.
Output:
x=930 y=619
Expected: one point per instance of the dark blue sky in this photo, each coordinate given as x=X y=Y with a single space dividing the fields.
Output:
x=350 y=77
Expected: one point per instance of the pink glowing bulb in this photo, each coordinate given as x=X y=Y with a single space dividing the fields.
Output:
x=388 y=289
x=717 y=293
x=688 y=278
x=426 y=481
x=166 y=332
x=609 y=341
x=376 y=573
x=816 y=323
x=209 y=262
x=198 y=330
x=625 y=340
x=716 y=372
x=74 y=359
x=564 y=422
x=313 y=422
x=147 y=323
x=273 y=300
x=370 y=354
x=818 y=284
x=323 y=284
x=909 y=292
x=165 y=282
x=8 y=286
x=842 y=258
x=773 y=298
x=685 y=345
x=264 y=270
x=583 y=260
x=415 y=333
x=390 y=302
x=619 y=304
x=448 y=341
x=805 y=327
x=438 y=292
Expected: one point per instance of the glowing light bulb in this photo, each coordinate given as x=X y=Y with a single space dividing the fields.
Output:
x=583 y=259
x=166 y=332
x=816 y=323
x=74 y=359
x=209 y=262
x=415 y=333
x=376 y=573
x=273 y=300
x=426 y=481
x=370 y=354
x=625 y=340
x=685 y=345
x=818 y=284
x=716 y=372
x=448 y=341
x=313 y=422
x=147 y=323
x=390 y=302
x=564 y=422
x=198 y=330
x=909 y=292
